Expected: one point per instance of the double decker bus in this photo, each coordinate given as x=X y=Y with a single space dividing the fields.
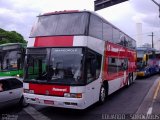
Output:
x=158 y=60
x=12 y=59
x=147 y=62
x=75 y=59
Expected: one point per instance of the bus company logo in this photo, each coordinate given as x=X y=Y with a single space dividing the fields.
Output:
x=113 y=49
x=59 y=89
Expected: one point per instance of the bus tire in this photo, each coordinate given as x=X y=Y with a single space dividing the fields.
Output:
x=102 y=95
x=132 y=78
x=129 y=80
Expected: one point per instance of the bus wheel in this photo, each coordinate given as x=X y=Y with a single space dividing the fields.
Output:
x=132 y=78
x=102 y=95
x=129 y=80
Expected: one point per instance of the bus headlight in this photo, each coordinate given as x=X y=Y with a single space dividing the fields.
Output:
x=73 y=95
x=18 y=75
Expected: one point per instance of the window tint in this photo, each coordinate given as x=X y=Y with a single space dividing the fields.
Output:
x=116 y=36
x=95 y=27
x=133 y=44
x=112 y=65
x=101 y=29
x=122 y=65
x=1 y=86
x=61 y=24
x=93 y=66
x=107 y=32
x=123 y=40
x=116 y=65
x=11 y=60
x=37 y=61
x=130 y=43
x=5 y=85
x=15 y=83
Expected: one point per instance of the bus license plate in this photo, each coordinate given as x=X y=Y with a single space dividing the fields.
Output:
x=48 y=102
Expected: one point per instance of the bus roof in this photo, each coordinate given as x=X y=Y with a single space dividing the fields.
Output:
x=79 y=11
x=9 y=44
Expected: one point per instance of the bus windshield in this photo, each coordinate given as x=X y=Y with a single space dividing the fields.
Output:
x=140 y=63
x=140 y=53
x=10 y=60
x=55 y=65
x=60 y=24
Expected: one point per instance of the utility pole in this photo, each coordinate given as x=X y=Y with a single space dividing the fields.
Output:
x=157 y=5
x=152 y=35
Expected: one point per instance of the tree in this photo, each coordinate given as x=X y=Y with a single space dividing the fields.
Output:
x=10 y=37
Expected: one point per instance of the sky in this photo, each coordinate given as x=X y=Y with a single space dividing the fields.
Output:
x=20 y=15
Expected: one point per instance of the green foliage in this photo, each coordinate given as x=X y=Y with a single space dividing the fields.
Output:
x=10 y=37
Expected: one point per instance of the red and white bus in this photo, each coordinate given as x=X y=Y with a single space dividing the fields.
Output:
x=75 y=59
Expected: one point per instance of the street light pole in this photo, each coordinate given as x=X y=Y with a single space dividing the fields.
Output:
x=157 y=5
x=152 y=35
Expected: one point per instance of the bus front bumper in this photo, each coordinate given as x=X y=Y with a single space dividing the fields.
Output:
x=141 y=74
x=63 y=102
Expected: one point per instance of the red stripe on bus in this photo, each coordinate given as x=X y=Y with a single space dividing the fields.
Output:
x=58 y=41
x=54 y=90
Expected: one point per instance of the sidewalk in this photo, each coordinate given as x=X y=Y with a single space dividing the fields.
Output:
x=151 y=103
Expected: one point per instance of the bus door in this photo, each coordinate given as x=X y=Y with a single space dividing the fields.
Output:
x=93 y=67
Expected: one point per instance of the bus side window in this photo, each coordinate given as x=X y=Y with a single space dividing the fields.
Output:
x=19 y=63
x=125 y=64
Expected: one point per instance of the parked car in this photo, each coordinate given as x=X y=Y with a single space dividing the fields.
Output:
x=11 y=92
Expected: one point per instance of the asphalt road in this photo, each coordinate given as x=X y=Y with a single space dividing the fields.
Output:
x=123 y=102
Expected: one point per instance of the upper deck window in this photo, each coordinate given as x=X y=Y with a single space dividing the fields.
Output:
x=61 y=24
x=95 y=27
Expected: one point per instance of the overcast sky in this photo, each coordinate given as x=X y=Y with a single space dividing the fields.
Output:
x=20 y=15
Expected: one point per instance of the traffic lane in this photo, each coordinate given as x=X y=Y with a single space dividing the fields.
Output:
x=13 y=109
x=156 y=103
x=14 y=112
x=124 y=101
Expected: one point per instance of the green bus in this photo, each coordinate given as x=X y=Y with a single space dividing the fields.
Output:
x=12 y=57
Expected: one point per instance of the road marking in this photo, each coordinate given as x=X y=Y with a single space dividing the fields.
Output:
x=154 y=97
x=149 y=111
x=156 y=92
x=35 y=114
